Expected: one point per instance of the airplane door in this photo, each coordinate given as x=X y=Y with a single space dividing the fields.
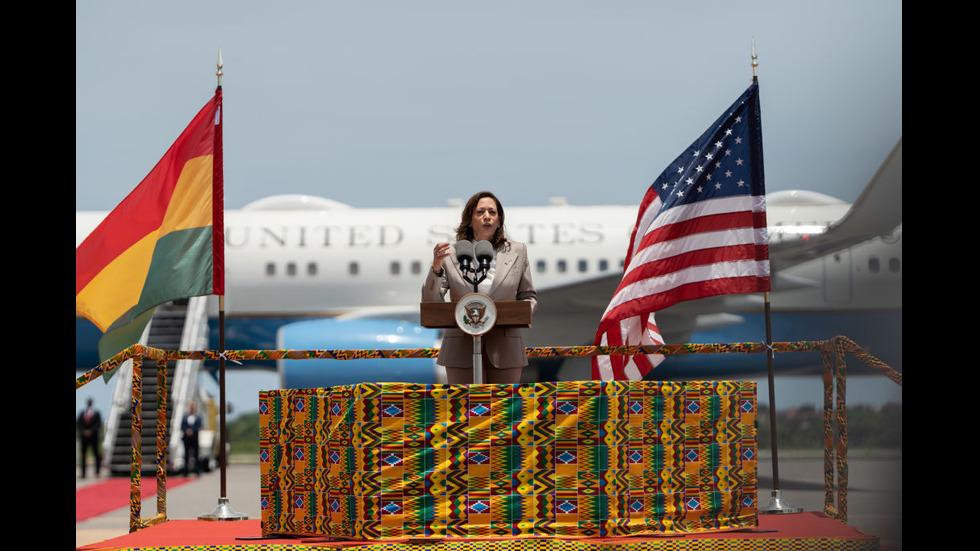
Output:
x=837 y=278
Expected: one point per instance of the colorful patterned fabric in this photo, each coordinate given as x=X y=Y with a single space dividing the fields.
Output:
x=565 y=459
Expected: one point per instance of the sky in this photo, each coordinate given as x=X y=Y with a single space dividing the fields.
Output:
x=390 y=103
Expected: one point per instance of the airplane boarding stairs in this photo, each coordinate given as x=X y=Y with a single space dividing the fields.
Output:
x=178 y=325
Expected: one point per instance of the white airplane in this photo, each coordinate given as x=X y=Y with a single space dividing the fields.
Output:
x=305 y=273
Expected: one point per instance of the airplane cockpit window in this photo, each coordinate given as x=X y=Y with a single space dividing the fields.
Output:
x=353 y=268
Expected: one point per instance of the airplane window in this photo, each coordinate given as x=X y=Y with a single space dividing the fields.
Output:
x=396 y=267
x=603 y=265
x=311 y=269
x=583 y=265
x=894 y=265
x=874 y=265
x=562 y=266
x=291 y=269
x=416 y=267
x=270 y=269
x=353 y=268
x=541 y=265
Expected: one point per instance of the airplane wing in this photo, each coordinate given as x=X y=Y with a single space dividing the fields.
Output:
x=877 y=211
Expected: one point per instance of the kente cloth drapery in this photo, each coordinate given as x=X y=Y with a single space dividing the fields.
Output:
x=564 y=459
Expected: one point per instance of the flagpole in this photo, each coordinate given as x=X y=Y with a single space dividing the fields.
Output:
x=776 y=503
x=223 y=511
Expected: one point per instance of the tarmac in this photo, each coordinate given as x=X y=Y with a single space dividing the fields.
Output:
x=874 y=504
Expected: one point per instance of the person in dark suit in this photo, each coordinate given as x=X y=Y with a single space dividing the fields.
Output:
x=509 y=278
x=190 y=428
x=89 y=424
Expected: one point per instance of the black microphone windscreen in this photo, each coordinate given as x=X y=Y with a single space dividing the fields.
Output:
x=484 y=251
x=464 y=251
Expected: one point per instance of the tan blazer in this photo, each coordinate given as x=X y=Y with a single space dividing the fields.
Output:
x=511 y=281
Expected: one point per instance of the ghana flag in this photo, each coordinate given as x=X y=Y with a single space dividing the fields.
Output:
x=163 y=242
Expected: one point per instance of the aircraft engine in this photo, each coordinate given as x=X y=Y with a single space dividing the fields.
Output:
x=360 y=334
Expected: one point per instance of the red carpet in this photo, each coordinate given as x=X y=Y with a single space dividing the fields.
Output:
x=113 y=493
x=775 y=533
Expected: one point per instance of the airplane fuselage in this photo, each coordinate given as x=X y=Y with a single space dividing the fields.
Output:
x=282 y=265
x=330 y=262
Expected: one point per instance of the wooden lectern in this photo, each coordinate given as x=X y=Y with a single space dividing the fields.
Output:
x=507 y=313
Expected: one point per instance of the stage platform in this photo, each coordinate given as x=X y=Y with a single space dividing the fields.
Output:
x=809 y=530
x=802 y=531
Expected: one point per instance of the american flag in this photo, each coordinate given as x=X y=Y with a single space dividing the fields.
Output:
x=700 y=232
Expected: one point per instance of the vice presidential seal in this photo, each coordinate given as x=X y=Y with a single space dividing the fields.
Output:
x=475 y=314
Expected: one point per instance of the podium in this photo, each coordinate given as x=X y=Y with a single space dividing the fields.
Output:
x=441 y=315
x=475 y=314
x=564 y=459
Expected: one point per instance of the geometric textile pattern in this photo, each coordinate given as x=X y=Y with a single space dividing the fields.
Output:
x=568 y=459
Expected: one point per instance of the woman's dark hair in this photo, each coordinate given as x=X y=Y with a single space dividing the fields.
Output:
x=465 y=231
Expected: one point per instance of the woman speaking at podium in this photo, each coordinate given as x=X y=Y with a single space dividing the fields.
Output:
x=509 y=278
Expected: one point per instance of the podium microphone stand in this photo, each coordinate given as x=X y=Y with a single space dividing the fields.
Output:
x=477 y=359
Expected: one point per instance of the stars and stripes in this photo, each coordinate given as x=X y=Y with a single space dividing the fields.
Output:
x=700 y=232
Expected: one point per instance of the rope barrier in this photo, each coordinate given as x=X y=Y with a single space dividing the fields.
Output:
x=138 y=350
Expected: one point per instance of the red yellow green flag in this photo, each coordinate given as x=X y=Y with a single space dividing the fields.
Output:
x=163 y=242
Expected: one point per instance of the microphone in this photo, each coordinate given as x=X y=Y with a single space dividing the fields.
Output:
x=484 y=254
x=464 y=254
